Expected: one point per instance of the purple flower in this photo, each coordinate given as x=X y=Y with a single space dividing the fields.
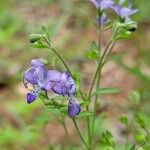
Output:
x=38 y=77
x=124 y=12
x=73 y=107
x=103 y=4
x=66 y=86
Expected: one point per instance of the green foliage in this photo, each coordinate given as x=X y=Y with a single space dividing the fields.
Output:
x=123 y=30
x=140 y=120
x=124 y=119
x=139 y=136
x=85 y=103
x=85 y=114
x=93 y=53
x=107 y=142
x=105 y=91
x=45 y=34
x=54 y=106
x=134 y=97
x=133 y=148
x=39 y=40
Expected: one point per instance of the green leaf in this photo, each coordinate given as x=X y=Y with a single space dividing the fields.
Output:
x=39 y=44
x=46 y=34
x=93 y=53
x=134 y=97
x=124 y=119
x=107 y=140
x=84 y=103
x=64 y=110
x=104 y=91
x=57 y=105
x=35 y=37
x=85 y=114
x=139 y=137
x=55 y=111
x=140 y=120
x=132 y=148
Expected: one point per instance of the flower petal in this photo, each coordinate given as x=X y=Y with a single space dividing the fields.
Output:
x=53 y=75
x=69 y=83
x=37 y=63
x=126 y=12
x=29 y=75
x=95 y=2
x=35 y=75
x=59 y=88
x=33 y=94
x=73 y=107
x=31 y=97
x=106 y=4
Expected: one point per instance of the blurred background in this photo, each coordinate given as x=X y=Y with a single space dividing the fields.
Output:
x=71 y=24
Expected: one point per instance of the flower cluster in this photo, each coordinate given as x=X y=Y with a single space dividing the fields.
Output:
x=39 y=78
x=122 y=12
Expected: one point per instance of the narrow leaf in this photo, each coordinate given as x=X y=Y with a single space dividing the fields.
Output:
x=104 y=91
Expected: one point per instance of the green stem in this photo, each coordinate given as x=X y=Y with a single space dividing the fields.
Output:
x=97 y=86
x=98 y=68
x=106 y=58
x=50 y=47
x=79 y=133
x=88 y=129
x=90 y=92
x=100 y=62
x=98 y=71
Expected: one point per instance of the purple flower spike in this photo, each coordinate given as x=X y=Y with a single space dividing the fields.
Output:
x=73 y=107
